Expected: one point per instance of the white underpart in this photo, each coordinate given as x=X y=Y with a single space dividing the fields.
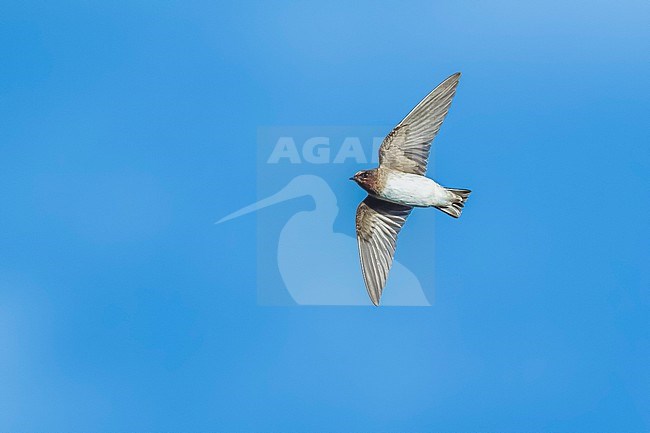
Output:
x=414 y=190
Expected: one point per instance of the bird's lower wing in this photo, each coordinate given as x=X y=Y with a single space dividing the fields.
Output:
x=378 y=224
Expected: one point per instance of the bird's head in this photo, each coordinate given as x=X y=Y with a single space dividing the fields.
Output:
x=366 y=179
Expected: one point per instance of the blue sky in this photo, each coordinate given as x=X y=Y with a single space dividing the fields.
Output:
x=128 y=128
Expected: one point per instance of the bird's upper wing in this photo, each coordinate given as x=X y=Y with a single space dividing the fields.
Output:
x=378 y=223
x=406 y=147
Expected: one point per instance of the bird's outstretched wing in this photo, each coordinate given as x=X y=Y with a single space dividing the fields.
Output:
x=378 y=223
x=407 y=146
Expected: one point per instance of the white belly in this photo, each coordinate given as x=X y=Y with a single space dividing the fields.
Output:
x=413 y=190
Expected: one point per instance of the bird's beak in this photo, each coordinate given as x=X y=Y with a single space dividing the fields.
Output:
x=352 y=178
x=286 y=193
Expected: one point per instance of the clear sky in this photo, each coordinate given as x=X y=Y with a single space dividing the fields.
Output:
x=128 y=127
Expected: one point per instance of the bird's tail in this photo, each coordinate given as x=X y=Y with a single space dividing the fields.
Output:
x=456 y=207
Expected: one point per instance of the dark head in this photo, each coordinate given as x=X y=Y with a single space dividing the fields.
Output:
x=367 y=179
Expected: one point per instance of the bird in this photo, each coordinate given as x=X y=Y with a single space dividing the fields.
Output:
x=399 y=184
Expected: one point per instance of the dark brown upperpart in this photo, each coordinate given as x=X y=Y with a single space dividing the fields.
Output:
x=370 y=180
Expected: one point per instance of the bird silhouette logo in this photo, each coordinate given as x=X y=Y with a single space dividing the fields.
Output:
x=319 y=266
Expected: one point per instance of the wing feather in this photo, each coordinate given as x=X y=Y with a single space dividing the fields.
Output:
x=378 y=224
x=407 y=146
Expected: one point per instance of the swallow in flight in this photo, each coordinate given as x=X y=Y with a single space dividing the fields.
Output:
x=398 y=185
